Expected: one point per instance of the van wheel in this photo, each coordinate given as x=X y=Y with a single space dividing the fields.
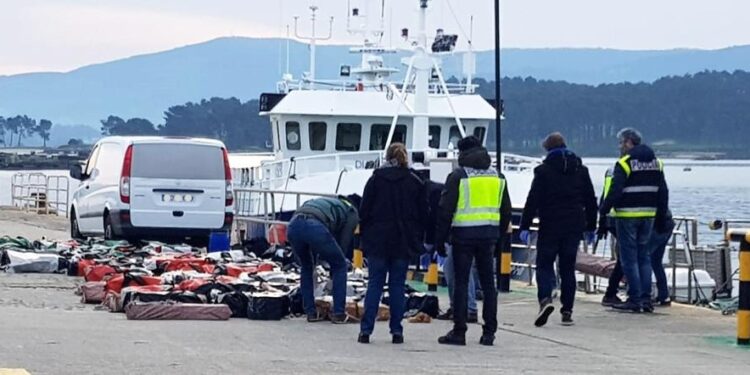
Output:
x=75 y=231
x=109 y=233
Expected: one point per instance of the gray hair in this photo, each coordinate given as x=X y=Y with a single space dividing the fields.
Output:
x=630 y=134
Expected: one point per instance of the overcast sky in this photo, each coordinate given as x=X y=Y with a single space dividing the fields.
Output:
x=60 y=35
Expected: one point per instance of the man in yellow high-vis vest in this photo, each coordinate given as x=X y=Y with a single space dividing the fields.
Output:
x=639 y=197
x=474 y=212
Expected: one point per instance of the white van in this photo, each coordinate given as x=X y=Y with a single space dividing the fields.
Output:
x=153 y=188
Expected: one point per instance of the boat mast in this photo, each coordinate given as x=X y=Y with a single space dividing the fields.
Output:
x=422 y=67
x=498 y=100
x=313 y=40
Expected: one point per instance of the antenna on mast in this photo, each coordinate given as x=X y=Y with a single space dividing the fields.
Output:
x=313 y=39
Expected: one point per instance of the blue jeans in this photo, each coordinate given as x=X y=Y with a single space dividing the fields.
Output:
x=633 y=236
x=310 y=238
x=657 y=245
x=378 y=268
x=549 y=248
x=450 y=279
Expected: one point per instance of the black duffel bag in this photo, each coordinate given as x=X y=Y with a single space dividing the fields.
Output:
x=425 y=303
x=267 y=306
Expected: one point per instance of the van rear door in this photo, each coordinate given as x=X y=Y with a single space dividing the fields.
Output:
x=177 y=185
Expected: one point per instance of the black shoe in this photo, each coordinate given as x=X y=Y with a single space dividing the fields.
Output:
x=664 y=303
x=609 y=301
x=473 y=317
x=340 y=319
x=363 y=338
x=452 y=339
x=448 y=315
x=567 y=318
x=628 y=305
x=398 y=339
x=487 y=340
x=544 y=312
x=314 y=318
x=647 y=307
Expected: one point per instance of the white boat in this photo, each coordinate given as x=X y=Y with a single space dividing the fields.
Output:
x=329 y=135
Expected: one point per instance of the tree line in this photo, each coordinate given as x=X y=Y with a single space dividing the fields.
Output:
x=707 y=111
x=235 y=123
x=15 y=129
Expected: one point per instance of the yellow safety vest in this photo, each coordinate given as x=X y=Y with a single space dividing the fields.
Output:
x=635 y=212
x=479 y=198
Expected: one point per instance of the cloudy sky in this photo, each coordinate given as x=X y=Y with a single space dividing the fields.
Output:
x=60 y=35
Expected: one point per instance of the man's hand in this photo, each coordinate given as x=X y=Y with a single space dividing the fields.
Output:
x=525 y=236
x=589 y=236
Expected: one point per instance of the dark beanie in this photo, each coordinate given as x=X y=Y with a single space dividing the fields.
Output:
x=553 y=141
x=467 y=143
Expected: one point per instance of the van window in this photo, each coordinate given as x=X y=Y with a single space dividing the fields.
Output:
x=292 y=135
x=318 y=136
x=348 y=136
x=454 y=136
x=479 y=132
x=379 y=135
x=178 y=161
x=109 y=161
x=91 y=163
x=435 y=136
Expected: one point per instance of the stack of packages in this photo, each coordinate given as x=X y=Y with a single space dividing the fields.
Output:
x=160 y=281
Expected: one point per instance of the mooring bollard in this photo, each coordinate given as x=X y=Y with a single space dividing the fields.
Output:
x=743 y=310
x=431 y=279
x=358 y=260
x=503 y=277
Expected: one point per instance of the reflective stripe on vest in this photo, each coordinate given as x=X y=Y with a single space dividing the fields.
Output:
x=479 y=199
x=608 y=186
x=637 y=212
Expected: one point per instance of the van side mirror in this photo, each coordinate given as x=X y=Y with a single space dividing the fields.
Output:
x=76 y=172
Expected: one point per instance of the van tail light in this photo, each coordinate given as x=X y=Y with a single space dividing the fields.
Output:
x=127 y=165
x=229 y=194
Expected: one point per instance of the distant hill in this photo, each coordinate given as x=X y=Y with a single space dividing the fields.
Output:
x=144 y=86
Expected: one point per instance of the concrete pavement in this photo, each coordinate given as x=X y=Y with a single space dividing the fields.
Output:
x=46 y=331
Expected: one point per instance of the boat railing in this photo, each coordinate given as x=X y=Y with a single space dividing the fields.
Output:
x=41 y=193
x=355 y=85
x=257 y=205
x=279 y=171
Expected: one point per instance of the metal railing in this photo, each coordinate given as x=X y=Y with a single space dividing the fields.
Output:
x=41 y=193
x=252 y=206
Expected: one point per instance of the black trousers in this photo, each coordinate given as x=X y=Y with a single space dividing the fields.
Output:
x=463 y=255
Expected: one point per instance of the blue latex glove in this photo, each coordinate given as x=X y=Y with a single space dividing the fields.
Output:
x=589 y=237
x=525 y=235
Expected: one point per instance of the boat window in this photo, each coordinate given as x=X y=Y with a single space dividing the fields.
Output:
x=348 y=136
x=479 y=132
x=318 y=136
x=379 y=135
x=435 y=136
x=292 y=135
x=454 y=136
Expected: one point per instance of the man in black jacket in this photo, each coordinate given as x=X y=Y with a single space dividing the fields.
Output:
x=323 y=227
x=475 y=210
x=639 y=197
x=563 y=199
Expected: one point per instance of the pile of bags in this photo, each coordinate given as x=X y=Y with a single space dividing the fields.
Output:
x=159 y=281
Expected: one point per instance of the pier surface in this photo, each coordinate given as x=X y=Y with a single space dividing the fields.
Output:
x=45 y=330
